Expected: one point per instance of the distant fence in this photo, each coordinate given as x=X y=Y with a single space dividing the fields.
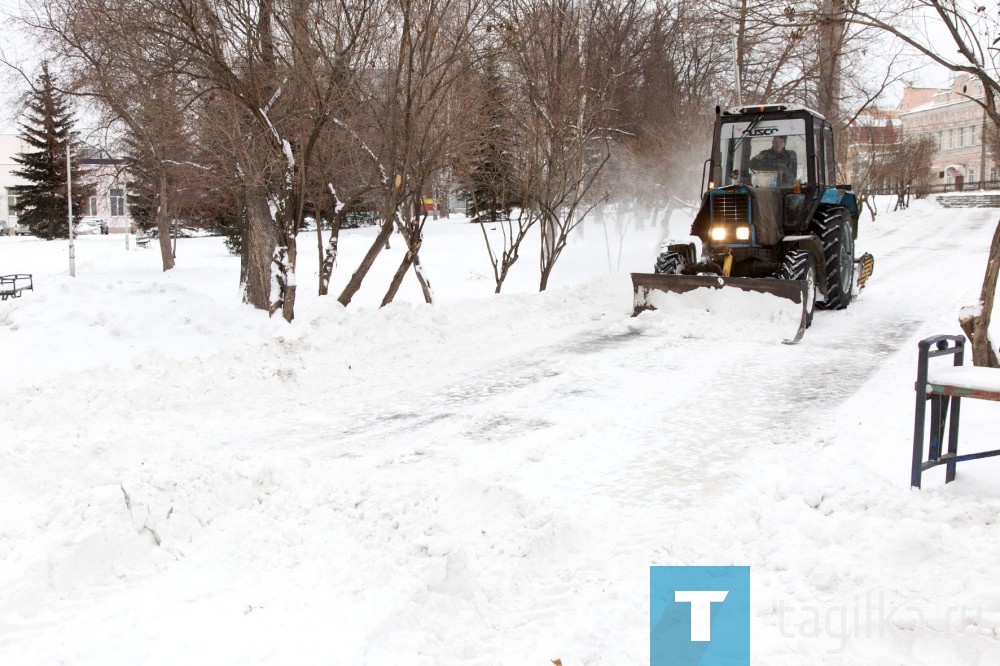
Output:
x=946 y=187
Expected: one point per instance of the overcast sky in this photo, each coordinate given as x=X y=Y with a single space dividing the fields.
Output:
x=17 y=48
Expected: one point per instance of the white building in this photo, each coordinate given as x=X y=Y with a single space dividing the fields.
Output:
x=10 y=145
x=110 y=180
x=108 y=177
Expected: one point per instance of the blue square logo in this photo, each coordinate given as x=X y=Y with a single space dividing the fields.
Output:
x=699 y=616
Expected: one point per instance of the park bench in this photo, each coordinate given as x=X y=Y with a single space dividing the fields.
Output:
x=11 y=286
x=143 y=241
x=944 y=386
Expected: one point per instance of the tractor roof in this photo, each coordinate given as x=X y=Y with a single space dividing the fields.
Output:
x=768 y=108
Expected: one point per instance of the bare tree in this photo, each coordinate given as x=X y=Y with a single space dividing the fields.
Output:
x=973 y=31
x=348 y=178
x=480 y=149
x=273 y=58
x=808 y=53
x=418 y=67
x=560 y=143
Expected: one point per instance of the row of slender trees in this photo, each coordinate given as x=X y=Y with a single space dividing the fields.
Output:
x=266 y=111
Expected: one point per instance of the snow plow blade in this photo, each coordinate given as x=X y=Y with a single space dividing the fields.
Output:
x=647 y=285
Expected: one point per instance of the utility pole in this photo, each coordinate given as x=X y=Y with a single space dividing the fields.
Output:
x=128 y=222
x=739 y=39
x=982 y=152
x=69 y=207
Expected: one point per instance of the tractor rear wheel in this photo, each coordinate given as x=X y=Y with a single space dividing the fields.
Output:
x=834 y=231
x=800 y=265
x=669 y=263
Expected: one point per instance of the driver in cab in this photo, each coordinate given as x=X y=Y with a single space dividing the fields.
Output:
x=776 y=158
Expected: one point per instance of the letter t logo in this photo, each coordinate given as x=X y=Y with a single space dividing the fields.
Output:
x=701 y=610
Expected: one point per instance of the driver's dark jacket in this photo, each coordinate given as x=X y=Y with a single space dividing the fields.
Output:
x=772 y=160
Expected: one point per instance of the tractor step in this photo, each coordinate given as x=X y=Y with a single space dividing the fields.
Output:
x=863 y=267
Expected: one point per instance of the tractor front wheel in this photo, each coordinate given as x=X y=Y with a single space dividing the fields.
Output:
x=800 y=265
x=669 y=263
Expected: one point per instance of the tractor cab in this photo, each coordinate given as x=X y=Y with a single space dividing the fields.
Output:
x=772 y=169
x=773 y=146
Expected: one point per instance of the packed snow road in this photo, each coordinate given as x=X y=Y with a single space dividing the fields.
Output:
x=489 y=483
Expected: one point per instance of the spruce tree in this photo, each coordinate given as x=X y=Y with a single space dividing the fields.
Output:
x=41 y=203
x=491 y=187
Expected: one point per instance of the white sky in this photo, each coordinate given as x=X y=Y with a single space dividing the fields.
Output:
x=18 y=49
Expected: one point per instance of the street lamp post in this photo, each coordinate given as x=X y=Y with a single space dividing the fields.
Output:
x=128 y=225
x=69 y=207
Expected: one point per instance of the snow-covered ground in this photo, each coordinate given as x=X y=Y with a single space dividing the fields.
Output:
x=482 y=481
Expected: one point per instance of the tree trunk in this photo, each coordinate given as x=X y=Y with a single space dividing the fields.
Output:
x=976 y=321
x=425 y=284
x=546 y=272
x=289 y=281
x=397 y=279
x=411 y=258
x=329 y=258
x=547 y=255
x=381 y=241
x=163 y=223
x=258 y=250
x=831 y=43
x=354 y=284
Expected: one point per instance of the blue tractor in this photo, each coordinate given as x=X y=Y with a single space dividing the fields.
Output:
x=773 y=218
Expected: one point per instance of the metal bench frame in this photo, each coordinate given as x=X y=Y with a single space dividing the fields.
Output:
x=946 y=402
x=9 y=285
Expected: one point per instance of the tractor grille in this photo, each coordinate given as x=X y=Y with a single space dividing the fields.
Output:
x=731 y=208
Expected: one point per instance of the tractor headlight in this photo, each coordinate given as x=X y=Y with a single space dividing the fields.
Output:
x=743 y=233
x=718 y=234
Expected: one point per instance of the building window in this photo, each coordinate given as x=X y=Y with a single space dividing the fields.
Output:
x=972 y=174
x=972 y=135
x=117 y=203
x=993 y=173
x=12 y=204
x=961 y=137
x=940 y=141
x=951 y=138
x=91 y=206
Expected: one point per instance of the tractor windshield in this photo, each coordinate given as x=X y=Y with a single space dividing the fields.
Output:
x=764 y=153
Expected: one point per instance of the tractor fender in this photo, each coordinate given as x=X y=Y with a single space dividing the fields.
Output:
x=842 y=197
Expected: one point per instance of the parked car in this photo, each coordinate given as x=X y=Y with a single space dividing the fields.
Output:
x=87 y=228
x=13 y=228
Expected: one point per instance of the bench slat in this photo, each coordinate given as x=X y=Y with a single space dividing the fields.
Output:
x=962 y=392
x=966 y=377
